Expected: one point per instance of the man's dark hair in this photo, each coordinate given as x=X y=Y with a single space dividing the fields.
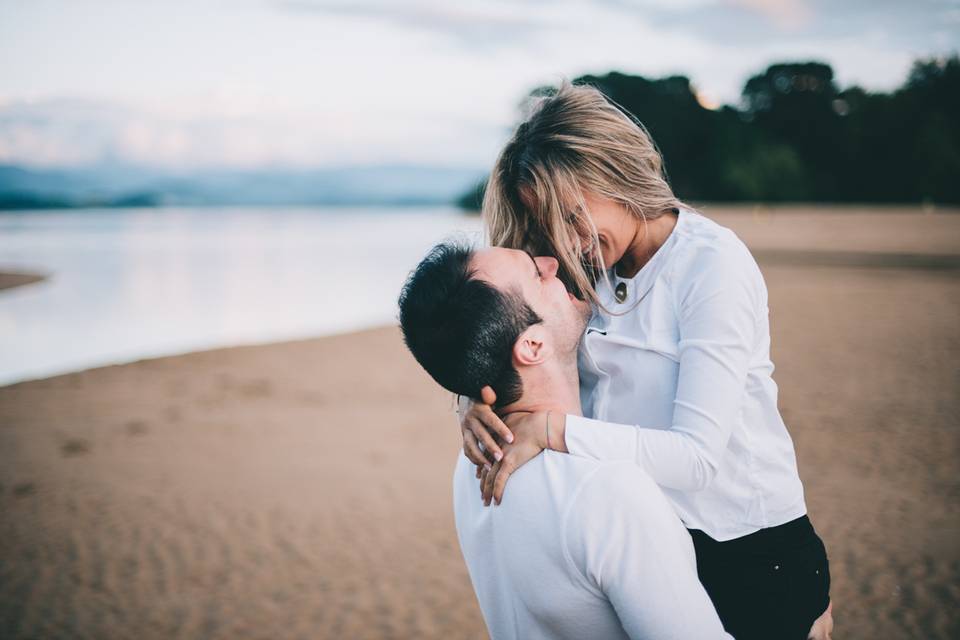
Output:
x=462 y=329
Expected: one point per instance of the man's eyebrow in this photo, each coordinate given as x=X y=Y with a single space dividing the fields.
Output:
x=537 y=268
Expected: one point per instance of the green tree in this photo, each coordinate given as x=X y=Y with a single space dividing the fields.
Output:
x=798 y=136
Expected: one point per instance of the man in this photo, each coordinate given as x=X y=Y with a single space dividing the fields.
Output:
x=582 y=548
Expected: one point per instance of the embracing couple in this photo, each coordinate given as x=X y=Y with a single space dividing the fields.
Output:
x=613 y=352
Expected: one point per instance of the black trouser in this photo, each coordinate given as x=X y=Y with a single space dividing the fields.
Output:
x=769 y=585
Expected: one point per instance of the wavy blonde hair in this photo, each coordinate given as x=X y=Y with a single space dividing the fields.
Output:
x=573 y=139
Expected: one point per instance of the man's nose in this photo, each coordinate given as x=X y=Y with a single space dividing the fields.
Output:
x=548 y=266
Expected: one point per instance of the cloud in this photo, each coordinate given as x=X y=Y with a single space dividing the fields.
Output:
x=332 y=82
x=740 y=25
x=58 y=132
x=786 y=14
x=65 y=133
x=488 y=24
x=747 y=23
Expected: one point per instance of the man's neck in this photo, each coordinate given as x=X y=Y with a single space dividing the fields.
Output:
x=548 y=387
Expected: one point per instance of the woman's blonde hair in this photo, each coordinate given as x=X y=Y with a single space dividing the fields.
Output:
x=574 y=139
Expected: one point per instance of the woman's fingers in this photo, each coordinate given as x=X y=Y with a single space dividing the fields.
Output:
x=487 y=395
x=487 y=484
x=484 y=470
x=493 y=424
x=507 y=467
x=822 y=628
x=483 y=485
x=471 y=449
x=483 y=436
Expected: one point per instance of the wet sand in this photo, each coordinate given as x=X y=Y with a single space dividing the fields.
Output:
x=303 y=489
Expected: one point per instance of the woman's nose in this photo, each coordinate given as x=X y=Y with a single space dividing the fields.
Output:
x=548 y=266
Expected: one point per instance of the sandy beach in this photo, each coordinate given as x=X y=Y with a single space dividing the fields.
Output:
x=303 y=489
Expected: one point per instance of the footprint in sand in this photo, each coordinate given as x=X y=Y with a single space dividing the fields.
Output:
x=258 y=388
x=137 y=428
x=24 y=489
x=74 y=447
x=312 y=398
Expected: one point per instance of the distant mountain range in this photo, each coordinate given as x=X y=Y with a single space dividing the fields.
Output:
x=123 y=185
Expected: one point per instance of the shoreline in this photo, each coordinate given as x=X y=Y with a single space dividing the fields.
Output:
x=881 y=261
x=10 y=279
x=188 y=351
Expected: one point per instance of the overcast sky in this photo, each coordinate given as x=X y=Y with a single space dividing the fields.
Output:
x=252 y=83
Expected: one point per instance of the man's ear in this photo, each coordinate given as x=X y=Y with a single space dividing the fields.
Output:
x=531 y=348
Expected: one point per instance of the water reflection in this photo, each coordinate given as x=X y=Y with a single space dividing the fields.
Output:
x=127 y=284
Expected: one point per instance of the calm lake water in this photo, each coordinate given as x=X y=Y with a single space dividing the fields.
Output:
x=126 y=284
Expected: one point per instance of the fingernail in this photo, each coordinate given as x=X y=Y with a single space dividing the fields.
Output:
x=510 y=438
x=498 y=456
x=486 y=465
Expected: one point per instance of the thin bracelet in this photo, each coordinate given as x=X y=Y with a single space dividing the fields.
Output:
x=547 y=429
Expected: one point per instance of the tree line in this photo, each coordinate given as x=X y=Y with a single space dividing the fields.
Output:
x=797 y=136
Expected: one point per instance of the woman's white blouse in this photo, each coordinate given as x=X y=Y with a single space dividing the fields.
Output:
x=680 y=382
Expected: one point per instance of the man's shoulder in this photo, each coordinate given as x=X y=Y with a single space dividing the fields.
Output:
x=579 y=483
x=590 y=476
x=619 y=496
x=622 y=481
x=619 y=511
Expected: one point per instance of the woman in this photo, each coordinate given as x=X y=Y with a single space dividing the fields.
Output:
x=674 y=366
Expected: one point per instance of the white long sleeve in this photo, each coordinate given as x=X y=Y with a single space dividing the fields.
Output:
x=681 y=385
x=716 y=318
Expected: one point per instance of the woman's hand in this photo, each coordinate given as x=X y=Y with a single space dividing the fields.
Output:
x=529 y=431
x=480 y=426
x=822 y=628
